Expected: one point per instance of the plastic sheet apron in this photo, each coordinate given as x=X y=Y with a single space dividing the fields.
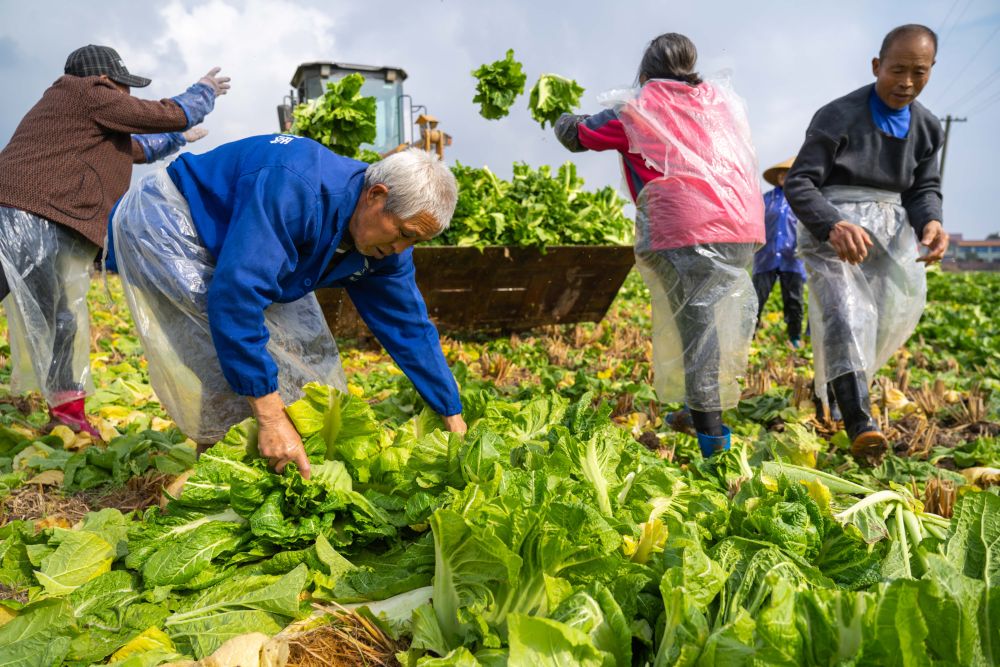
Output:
x=860 y=314
x=166 y=272
x=704 y=312
x=47 y=267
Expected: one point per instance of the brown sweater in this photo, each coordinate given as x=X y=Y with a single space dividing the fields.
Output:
x=70 y=158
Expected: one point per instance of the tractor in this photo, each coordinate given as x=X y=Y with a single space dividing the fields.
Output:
x=395 y=112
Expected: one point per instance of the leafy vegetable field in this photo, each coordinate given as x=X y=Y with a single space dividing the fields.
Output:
x=568 y=527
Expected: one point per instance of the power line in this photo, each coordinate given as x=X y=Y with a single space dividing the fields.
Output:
x=986 y=104
x=947 y=16
x=958 y=20
x=982 y=86
x=965 y=67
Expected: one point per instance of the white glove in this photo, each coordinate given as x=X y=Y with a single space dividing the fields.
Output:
x=194 y=134
x=220 y=84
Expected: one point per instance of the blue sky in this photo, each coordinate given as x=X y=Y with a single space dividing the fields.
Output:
x=788 y=59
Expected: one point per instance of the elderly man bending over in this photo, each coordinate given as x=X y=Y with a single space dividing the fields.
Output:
x=221 y=252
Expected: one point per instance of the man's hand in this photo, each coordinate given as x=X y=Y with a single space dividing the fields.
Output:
x=194 y=134
x=220 y=84
x=850 y=241
x=455 y=424
x=278 y=440
x=935 y=240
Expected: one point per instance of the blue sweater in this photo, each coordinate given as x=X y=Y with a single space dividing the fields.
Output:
x=272 y=210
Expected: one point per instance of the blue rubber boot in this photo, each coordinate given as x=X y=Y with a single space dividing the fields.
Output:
x=712 y=444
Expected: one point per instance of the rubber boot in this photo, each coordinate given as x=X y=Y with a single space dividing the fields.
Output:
x=680 y=420
x=71 y=413
x=712 y=444
x=831 y=400
x=707 y=423
x=867 y=442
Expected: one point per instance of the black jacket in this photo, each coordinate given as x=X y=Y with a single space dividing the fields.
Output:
x=843 y=146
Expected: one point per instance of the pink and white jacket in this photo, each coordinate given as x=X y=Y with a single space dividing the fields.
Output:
x=689 y=163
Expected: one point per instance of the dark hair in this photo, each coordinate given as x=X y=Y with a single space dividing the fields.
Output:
x=906 y=31
x=670 y=56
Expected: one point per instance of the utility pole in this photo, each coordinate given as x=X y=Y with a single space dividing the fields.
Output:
x=948 y=120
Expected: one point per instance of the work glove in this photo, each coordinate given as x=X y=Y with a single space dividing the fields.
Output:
x=194 y=134
x=566 y=131
x=219 y=84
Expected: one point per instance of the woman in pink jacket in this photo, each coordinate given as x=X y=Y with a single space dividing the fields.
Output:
x=692 y=172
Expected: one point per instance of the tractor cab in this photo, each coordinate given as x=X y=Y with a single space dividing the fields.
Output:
x=385 y=84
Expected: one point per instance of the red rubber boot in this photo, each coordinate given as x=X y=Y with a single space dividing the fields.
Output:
x=71 y=413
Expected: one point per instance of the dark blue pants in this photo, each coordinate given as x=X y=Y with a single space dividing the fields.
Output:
x=791 y=297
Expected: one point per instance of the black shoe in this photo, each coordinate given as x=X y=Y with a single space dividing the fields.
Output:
x=867 y=441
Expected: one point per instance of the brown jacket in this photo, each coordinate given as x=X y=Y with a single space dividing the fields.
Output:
x=70 y=158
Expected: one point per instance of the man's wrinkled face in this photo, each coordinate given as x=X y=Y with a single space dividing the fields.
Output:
x=905 y=70
x=378 y=234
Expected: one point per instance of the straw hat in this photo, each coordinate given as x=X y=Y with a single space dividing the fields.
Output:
x=771 y=175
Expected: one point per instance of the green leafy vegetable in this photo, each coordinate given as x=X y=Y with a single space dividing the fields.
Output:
x=498 y=85
x=535 y=208
x=341 y=119
x=552 y=96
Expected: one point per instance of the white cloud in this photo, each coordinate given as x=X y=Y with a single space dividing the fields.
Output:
x=257 y=43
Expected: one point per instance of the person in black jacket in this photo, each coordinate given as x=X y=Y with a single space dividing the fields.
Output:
x=866 y=187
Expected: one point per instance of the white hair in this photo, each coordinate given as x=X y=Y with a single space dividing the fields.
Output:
x=418 y=182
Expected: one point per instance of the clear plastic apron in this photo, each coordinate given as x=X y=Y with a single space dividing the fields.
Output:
x=47 y=267
x=860 y=314
x=166 y=272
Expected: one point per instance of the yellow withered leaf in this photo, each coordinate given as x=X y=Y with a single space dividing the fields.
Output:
x=6 y=615
x=106 y=429
x=160 y=424
x=149 y=639
x=66 y=434
x=81 y=441
x=895 y=399
x=52 y=522
x=48 y=478
x=114 y=411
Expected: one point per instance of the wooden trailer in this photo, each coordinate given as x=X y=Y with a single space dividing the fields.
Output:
x=502 y=289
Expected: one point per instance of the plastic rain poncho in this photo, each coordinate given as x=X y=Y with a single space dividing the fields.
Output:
x=697 y=227
x=860 y=314
x=47 y=267
x=166 y=272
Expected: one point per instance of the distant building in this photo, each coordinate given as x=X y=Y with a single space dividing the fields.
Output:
x=972 y=255
x=987 y=250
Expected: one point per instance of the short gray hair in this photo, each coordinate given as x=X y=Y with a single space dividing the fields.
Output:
x=418 y=182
